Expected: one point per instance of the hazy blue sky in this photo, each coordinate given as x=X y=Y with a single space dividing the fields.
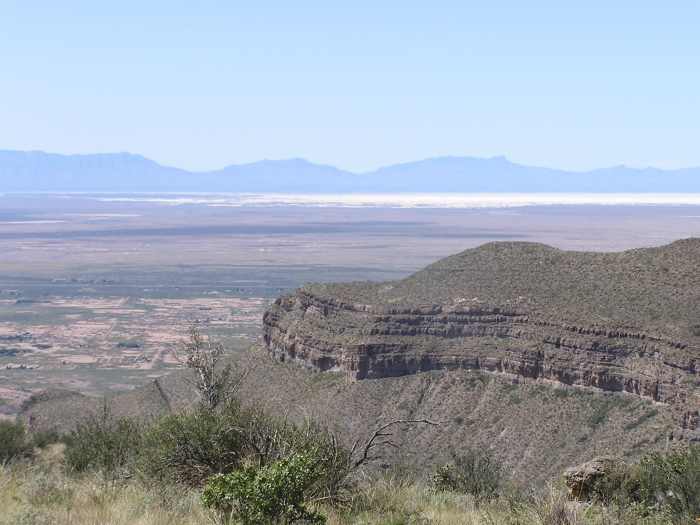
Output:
x=572 y=84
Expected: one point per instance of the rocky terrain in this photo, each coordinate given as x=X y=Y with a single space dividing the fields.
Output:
x=625 y=322
x=546 y=357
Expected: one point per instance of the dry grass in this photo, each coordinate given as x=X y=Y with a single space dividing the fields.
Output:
x=392 y=502
x=40 y=493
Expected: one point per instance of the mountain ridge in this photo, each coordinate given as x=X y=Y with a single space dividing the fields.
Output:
x=38 y=171
x=623 y=322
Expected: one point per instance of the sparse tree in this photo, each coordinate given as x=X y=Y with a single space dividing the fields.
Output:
x=215 y=382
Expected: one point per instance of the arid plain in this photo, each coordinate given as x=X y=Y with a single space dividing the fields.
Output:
x=96 y=293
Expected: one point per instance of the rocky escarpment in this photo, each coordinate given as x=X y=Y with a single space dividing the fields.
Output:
x=622 y=322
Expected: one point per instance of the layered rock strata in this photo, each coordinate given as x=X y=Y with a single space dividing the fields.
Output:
x=513 y=317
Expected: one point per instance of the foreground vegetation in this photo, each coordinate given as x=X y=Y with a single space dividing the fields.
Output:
x=222 y=463
x=96 y=476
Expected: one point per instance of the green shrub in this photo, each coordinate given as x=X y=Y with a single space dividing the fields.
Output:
x=275 y=493
x=672 y=481
x=269 y=439
x=189 y=448
x=13 y=441
x=266 y=439
x=619 y=486
x=666 y=482
x=474 y=472
x=334 y=464
x=103 y=444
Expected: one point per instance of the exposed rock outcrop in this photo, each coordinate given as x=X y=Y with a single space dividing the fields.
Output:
x=582 y=479
x=620 y=322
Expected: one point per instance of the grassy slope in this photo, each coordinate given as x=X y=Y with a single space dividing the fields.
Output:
x=41 y=494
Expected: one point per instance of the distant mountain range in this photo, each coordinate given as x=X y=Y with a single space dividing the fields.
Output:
x=34 y=171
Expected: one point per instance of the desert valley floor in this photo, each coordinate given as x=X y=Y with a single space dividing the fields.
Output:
x=97 y=293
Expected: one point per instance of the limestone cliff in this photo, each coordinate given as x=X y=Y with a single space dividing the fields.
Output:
x=619 y=322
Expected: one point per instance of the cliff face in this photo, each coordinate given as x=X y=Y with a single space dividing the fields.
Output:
x=625 y=322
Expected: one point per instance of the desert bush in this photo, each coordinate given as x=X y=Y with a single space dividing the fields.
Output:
x=667 y=483
x=269 y=439
x=474 y=472
x=265 y=439
x=104 y=444
x=13 y=441
x=190 y=447
x=672 y=482
x=275 y=493
x=619 y=486
x=334 y=463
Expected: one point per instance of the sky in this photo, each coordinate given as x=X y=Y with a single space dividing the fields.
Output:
x=361 y=84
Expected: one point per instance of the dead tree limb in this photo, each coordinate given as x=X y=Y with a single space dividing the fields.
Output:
x=376 y=440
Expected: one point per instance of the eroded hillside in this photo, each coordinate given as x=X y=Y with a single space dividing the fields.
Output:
x=536 y=430
x=616 y=322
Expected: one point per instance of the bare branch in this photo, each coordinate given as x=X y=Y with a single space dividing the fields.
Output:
x=380 y=432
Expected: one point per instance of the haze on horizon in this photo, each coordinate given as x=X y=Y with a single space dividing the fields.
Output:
x=355 y=86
